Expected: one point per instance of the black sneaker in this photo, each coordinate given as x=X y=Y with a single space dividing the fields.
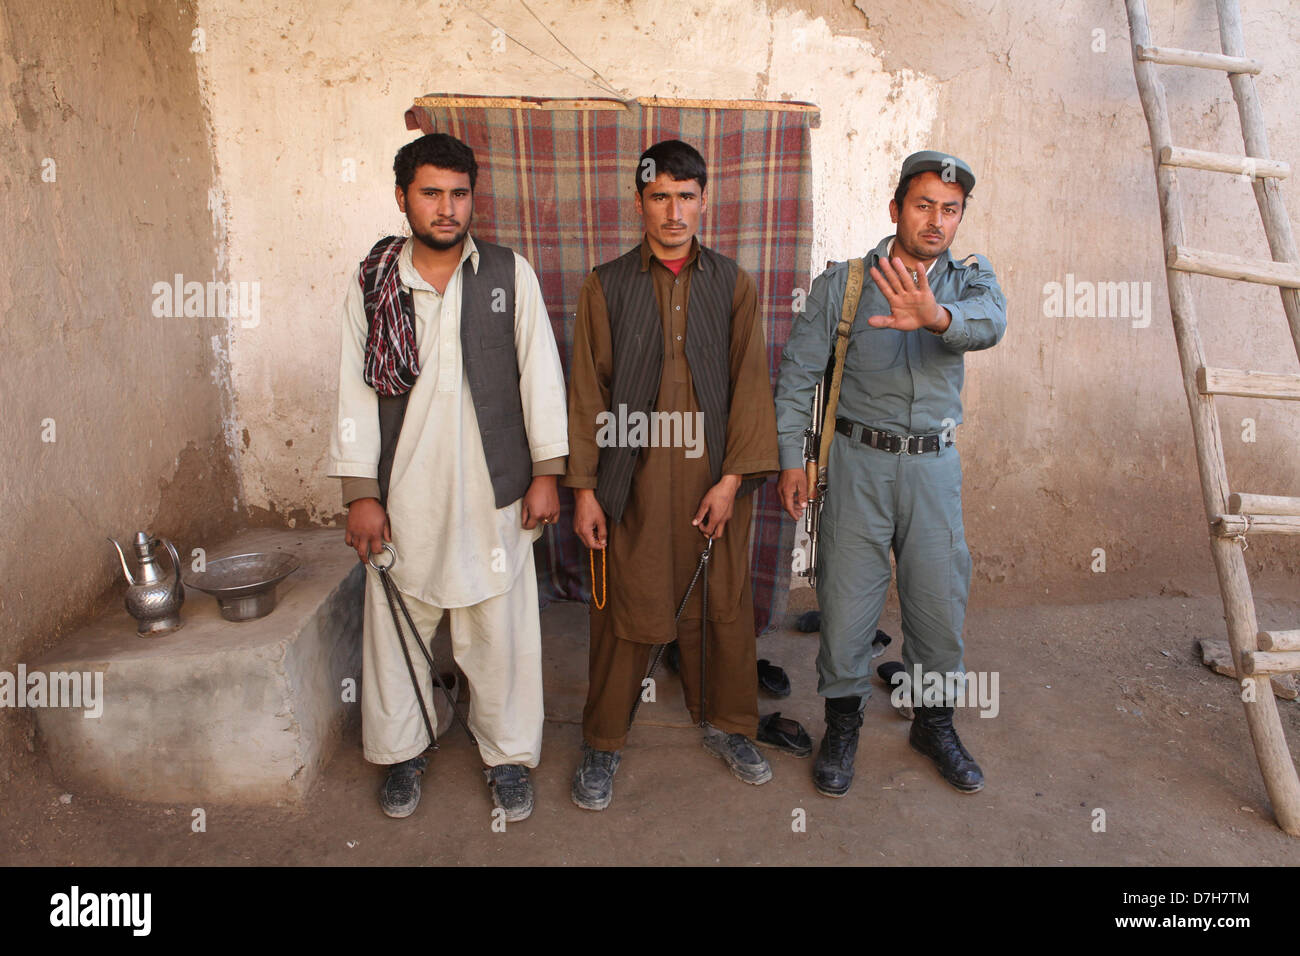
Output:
x=593 y=783
x=739 y=753
x=512 y=791
x=400 y=794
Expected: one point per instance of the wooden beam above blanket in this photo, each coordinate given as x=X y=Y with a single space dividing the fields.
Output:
x=454 y=100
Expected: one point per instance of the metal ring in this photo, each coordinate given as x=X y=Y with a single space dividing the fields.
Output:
x=393 y=551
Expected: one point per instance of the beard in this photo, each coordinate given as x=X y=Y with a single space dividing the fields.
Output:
x=427 y=237
x=918 y=250
x=915 y=245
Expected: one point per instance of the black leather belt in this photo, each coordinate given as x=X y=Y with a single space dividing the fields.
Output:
x=894 y=444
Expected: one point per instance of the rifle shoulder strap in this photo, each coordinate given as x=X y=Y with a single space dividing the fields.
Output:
x=852 y=295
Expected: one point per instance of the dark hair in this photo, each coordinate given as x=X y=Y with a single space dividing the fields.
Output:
x=434 y=149
x=901 y=192
x=679 y=160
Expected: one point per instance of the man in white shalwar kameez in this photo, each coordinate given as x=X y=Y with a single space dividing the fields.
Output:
x=462 y=510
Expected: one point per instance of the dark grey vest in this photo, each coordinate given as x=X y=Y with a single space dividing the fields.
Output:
x=487 y=345
x=636 y=335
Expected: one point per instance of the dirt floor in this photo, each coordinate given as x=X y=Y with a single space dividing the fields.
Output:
x=1101 y=706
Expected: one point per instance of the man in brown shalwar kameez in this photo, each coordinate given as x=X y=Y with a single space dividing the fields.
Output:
x=671 y=427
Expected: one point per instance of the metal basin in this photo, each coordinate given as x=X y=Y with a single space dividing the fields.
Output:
x=244 y=584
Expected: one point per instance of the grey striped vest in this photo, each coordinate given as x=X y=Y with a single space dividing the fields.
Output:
x=636 y=335
x=492 y=373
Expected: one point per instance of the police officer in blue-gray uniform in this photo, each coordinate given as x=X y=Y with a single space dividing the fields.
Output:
x=895 y=474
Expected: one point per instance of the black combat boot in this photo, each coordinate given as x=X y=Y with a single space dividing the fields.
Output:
x=833 y=769
x=933 y=735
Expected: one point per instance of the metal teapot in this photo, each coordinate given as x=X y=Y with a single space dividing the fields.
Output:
x=152 y=599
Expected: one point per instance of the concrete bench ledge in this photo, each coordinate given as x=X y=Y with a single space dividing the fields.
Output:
x=218 y=711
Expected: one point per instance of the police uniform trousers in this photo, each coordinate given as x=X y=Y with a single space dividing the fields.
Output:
x=878 y=502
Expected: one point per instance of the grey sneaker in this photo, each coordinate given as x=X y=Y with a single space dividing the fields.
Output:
x=512 y=791
x=593 y=783
x=400 y=794
x=739 y=753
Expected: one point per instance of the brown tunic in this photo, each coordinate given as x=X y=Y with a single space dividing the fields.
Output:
x=654 y=550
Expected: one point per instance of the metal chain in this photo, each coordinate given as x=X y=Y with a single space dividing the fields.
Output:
x=659 y=651
x=395 y=600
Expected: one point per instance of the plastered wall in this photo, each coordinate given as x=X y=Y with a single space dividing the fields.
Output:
x=112 y=415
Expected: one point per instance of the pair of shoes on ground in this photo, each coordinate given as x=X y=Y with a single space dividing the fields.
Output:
x=772 y=680
x=932 y=734
x=593 y=782
x=783 y=733
x=511 y=789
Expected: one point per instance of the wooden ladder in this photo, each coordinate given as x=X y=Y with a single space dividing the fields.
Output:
x=1232 y=517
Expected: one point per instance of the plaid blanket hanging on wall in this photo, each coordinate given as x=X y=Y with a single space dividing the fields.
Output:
x=555 y=183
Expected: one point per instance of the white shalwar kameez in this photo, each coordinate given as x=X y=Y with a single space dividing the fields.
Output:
x=457 y=552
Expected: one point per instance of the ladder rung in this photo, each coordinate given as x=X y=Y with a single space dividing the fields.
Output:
x=1247 y=383
x=1263 y=505
x=1248 y=166
x=1270 y=662
x=1206 y=61
x=1234 y=267
x=1279 y=640
x=1232 y=526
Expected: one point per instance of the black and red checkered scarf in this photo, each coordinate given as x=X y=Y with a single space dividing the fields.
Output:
x=392 y=361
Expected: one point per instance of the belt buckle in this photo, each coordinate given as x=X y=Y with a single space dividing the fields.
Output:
x=920 y=444
x=886 y=441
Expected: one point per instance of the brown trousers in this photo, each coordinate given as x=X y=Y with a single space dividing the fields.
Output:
x=617 y=668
